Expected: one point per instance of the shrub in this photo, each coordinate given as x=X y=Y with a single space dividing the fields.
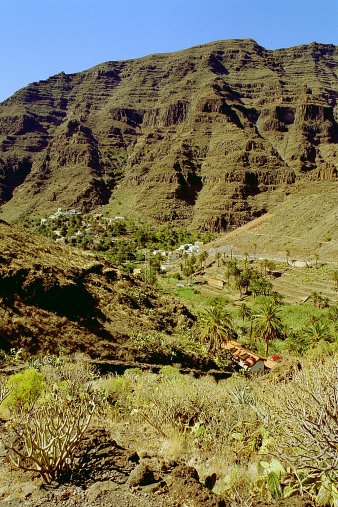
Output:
x=203 y=411
x=25 y=388
x=304 y=424
x=115 y=390
x=50 y=436
x=5 y=390
x=169 y=372
x=68 y=374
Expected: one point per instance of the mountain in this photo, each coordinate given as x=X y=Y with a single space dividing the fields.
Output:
x=54 y=299
x=201 y=137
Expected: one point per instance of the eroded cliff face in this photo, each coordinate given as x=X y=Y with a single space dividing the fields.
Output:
x=194 y=137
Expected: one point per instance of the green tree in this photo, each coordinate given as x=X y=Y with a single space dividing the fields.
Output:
x=268 y=324
x=231 y=269
x=142 y=236
x=297 y=341
x=217 y=327
x=218 y=258
x=189 y=267
x=244 y=311
x=260 y=286
x=155 y=263
x=242 y=282
x=318 y=331
x=203 y=257
x=246 y=257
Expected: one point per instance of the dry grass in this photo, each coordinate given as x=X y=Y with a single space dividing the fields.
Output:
x=303 y=223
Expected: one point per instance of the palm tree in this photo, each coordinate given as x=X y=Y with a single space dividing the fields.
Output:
x=333 y=314
x=232 y=269
x=217 y=327
x=264 y=266
x=268 y=324
x=244 y=311
x=246 y=256
x=260 y=285
x=316 y=256
x=318 y=331
x=189 y=269
x=271 y=265
x=203 y=257
x=255 y=249
x=277 y=298
x=315 y=298
x=242 y=282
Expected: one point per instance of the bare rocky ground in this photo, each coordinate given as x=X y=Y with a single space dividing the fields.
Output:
x=107 y=474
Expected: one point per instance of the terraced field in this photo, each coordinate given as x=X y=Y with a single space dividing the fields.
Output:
x=296 y=285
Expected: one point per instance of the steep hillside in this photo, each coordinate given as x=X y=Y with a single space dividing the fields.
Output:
x=193 y=137
x=55 y=298
x=304 y=224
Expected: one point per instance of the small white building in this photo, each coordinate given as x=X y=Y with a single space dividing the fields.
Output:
x=166 y=267
x=173 y=256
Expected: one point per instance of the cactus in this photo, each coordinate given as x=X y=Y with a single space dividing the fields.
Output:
x=50 y=436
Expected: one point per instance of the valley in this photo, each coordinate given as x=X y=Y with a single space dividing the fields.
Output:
x=169 y=282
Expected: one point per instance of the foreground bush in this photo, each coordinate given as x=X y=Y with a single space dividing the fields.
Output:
x=49 y=408
x=304 y=423
x=50 y=436
x=24 y=388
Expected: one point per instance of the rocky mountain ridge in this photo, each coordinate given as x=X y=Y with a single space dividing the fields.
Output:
x=201 y=137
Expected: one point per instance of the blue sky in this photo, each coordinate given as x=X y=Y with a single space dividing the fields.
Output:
x=39 y=38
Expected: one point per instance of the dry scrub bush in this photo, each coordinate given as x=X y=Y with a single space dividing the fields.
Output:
x=5 y=390
x=238 y=487
x=50 y=436
x=114 y=393
x=207 y=413
x=69 y=374
x=304 y=423
x=49 y=411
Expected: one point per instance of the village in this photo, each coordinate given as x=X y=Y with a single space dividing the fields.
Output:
x=101 y=233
